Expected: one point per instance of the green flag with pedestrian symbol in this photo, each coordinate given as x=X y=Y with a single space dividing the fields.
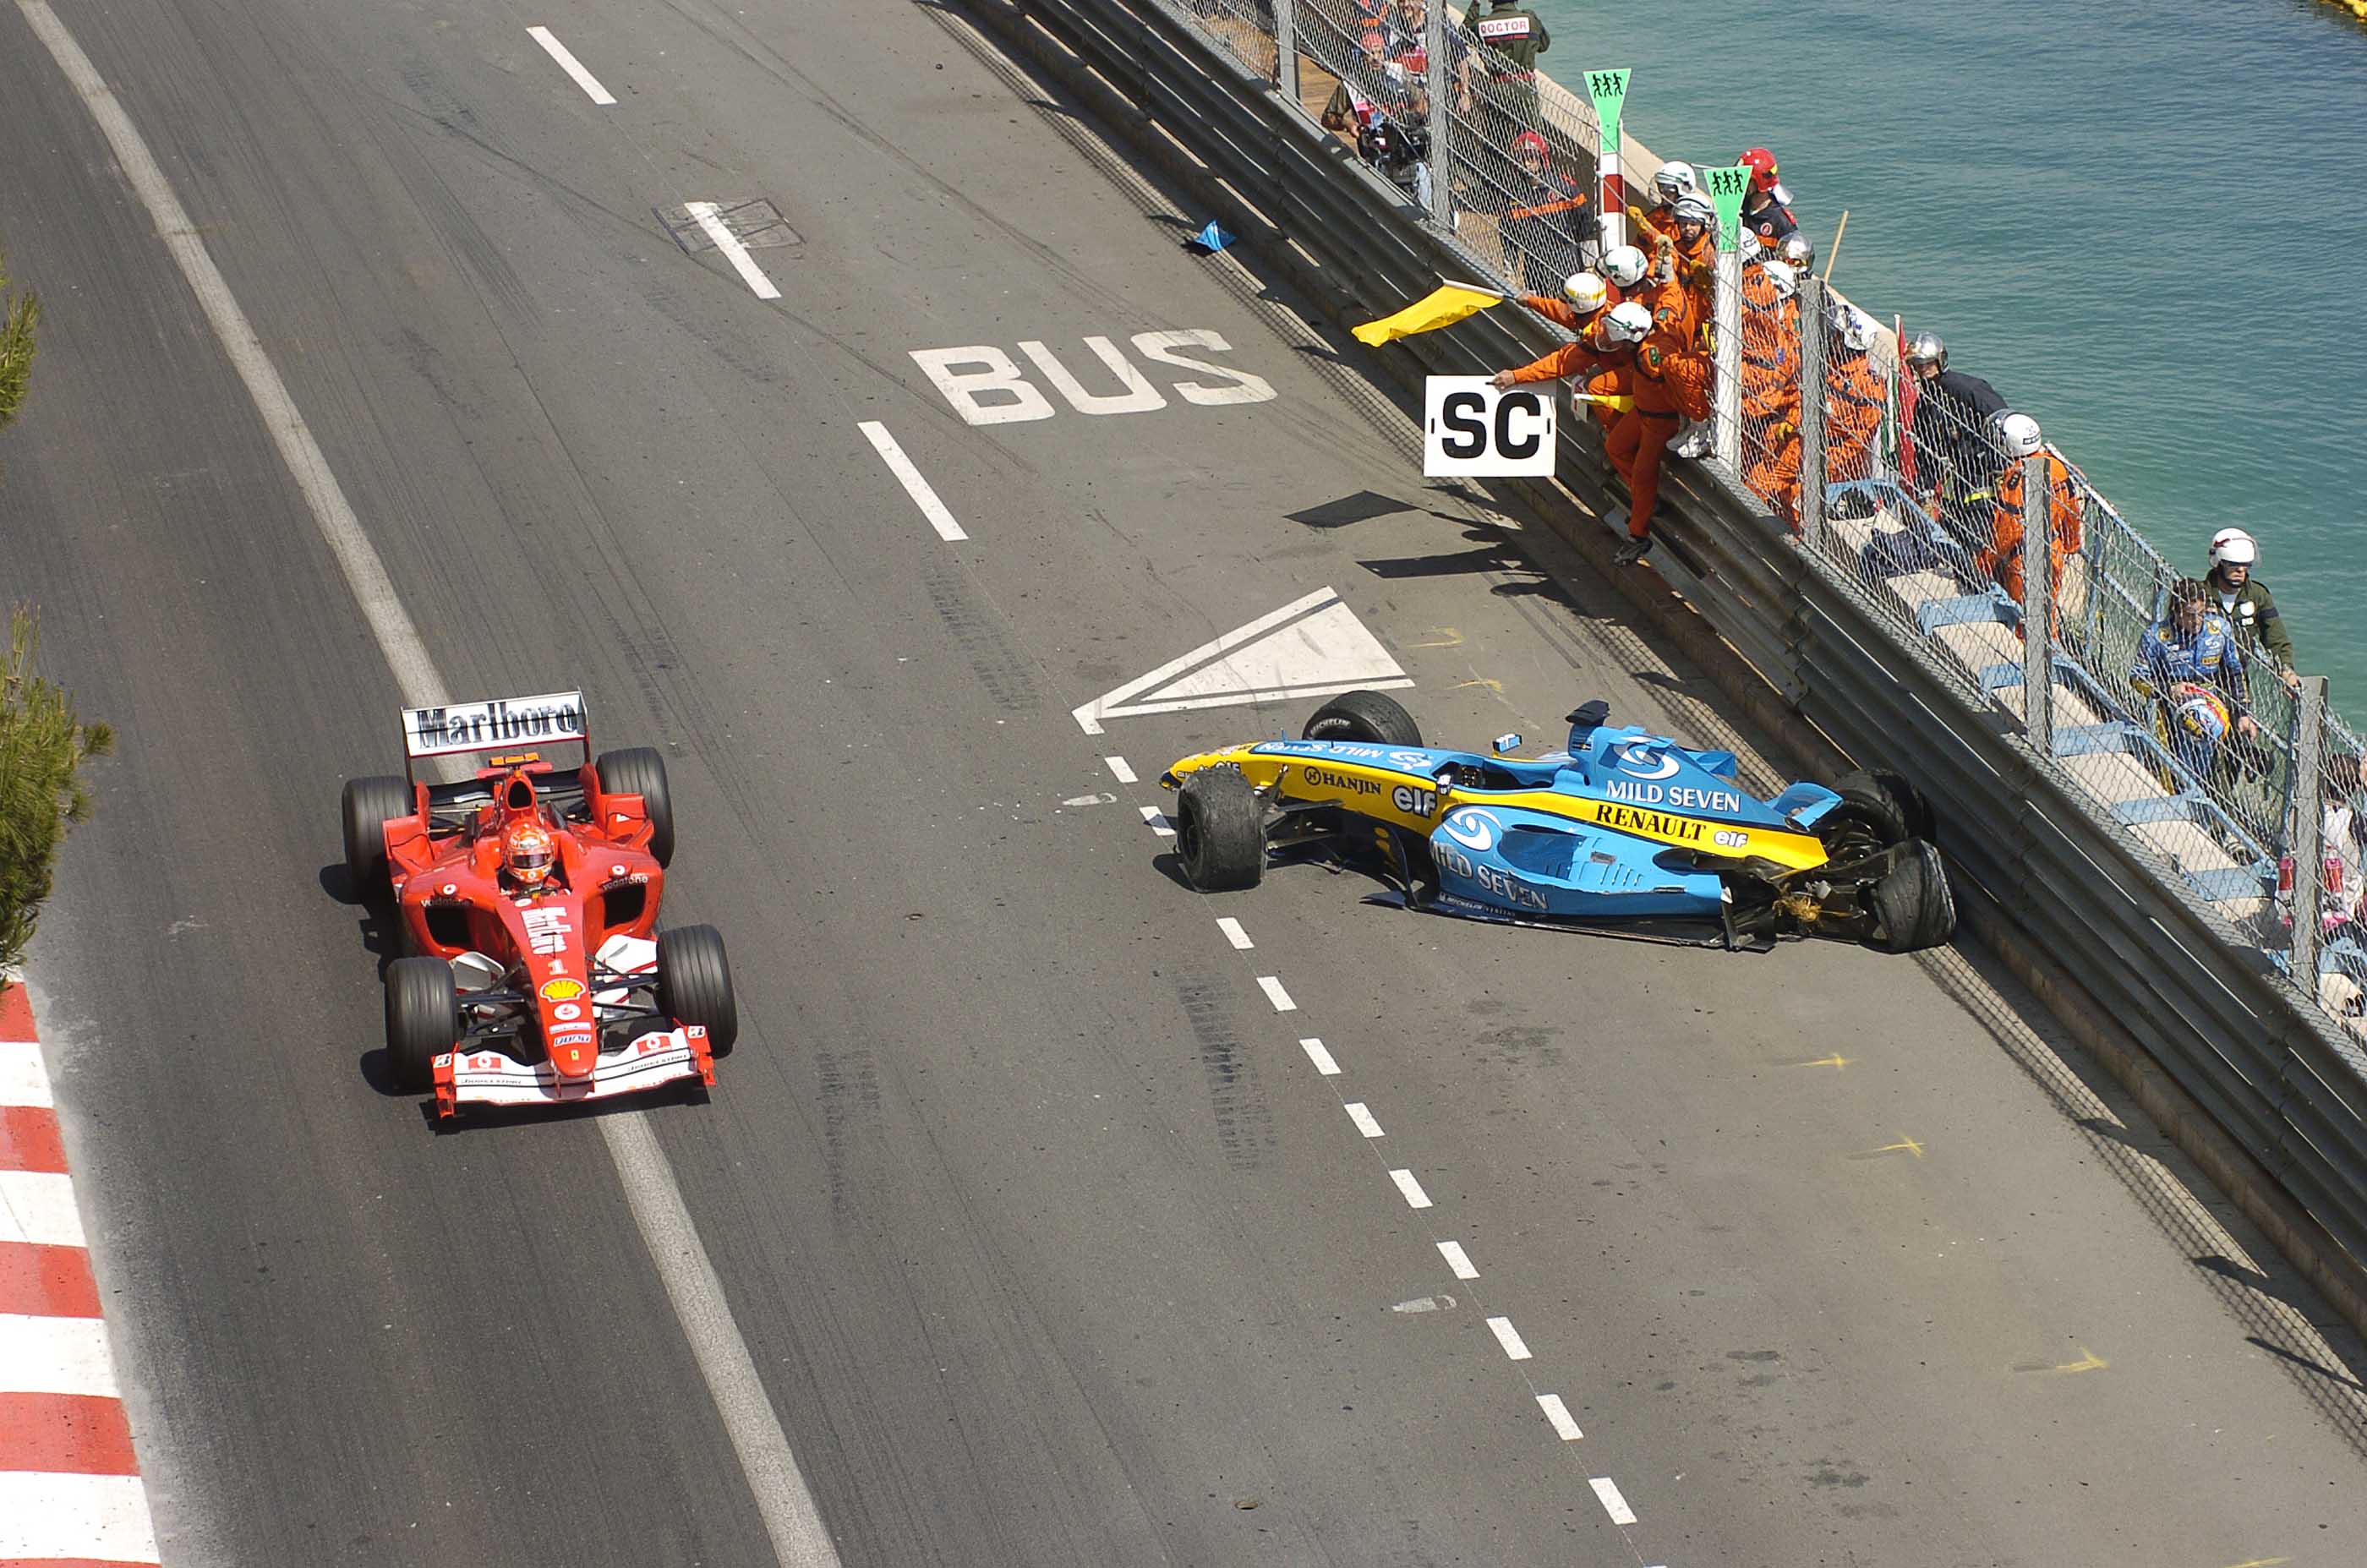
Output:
x=1727 y=188
x=1609 y=91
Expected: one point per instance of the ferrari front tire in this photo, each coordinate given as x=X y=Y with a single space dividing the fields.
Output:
x=640 y=770
x=1220 y=830
x=694 y=983
x=1912 y=906
x=1372 y=718
x=367 y=805
x=423 y=1019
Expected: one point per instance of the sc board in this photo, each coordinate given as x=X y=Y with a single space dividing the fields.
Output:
x=1469 y=427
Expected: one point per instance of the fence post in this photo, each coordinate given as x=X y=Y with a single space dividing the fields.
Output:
x=1812 y=413
x=2037 y=605
x=2308 y=853
x=1442 y=118
x=1285 y=49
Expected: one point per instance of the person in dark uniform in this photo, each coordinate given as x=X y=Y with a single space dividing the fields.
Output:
x=1496 y=88
x=1956 y=458
x=1767 y=206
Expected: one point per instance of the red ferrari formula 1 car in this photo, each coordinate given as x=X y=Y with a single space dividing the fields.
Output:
x=526 y=901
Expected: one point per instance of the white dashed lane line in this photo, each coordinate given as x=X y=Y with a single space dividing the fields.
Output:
x=1276 y=994
x=1564 y=1424
x=1119 y=770
x=1321 y=1056
x=1234 y=934
x=569 y=63
x=704 y=213
x=1157 y=821
x=1457 y=1259
x=1613 y=1502
x=1364 y=1119
x=1414 y=1196
x=892 y=451
x=1509 y=1338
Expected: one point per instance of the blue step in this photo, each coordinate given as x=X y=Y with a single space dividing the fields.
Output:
x=1971 y=609
x=2094 y=739
x=2234 y=882
x=2165 y=809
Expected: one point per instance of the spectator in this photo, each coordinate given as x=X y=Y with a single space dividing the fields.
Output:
x=1767 y=206
x=1396 y=139
x=1669 y=181
x=2000 y=560
x=2342 y=886
x=2189 y=664
x=1348 y=108
x=1853 y=395
x=1546 y=228
x=1405 y=34
x=1955 y=436
x=2249 y=607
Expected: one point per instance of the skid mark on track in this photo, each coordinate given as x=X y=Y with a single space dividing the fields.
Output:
x=849 y=1084
x=1244 y=1122
x=1003 y=667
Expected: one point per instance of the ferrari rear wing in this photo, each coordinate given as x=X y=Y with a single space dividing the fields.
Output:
x=498 y=724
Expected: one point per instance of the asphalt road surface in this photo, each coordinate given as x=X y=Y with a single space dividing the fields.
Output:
x=1047 y=1239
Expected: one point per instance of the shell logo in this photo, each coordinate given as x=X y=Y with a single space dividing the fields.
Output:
x=561 y=990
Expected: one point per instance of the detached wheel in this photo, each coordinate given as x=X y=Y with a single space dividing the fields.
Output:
x=694 y=983
x=1868 y=820
x=1376 y=719
x=368 y=804
x=423 y=1019
x=639 y=770
x=1220 y=830
x=1913 y=908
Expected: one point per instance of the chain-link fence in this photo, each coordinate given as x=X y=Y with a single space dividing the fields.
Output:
x=2195 y=746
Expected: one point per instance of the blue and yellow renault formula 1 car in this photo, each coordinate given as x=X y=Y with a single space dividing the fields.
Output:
x=1625 y=832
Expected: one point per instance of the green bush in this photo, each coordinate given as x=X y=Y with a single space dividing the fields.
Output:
x=17 y=319
x=42 y=744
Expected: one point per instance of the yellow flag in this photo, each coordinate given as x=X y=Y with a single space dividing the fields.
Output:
x=1441 y=307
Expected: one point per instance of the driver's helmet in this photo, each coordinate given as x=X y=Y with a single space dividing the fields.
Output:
x=2199 y=711
x=528 y=853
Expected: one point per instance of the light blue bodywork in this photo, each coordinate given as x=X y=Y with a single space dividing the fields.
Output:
x=1514 y=862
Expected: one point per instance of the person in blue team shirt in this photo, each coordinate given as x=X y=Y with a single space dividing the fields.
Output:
x=2190 y=663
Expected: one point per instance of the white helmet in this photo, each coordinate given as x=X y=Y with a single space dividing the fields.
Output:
x=1693 y=208
x=2017 y=434
x=1748 y=247
x=2233 y=547
x=1855 y=327
x=1800 y=251
x=1627 y=323
x=1786 y=281
x=1624 y=266
x=1673 y=180
x=1585 y=290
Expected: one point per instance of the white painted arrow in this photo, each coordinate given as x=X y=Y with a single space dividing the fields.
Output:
x=1313 y=647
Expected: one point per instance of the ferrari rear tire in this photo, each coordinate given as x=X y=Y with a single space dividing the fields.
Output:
x=1912 y=906
x=1376 y=719
x=423 y=1019
x=1868 y=820
x=367 y=803
x=1220 y=830
x=694 y=983
x=640 y=770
